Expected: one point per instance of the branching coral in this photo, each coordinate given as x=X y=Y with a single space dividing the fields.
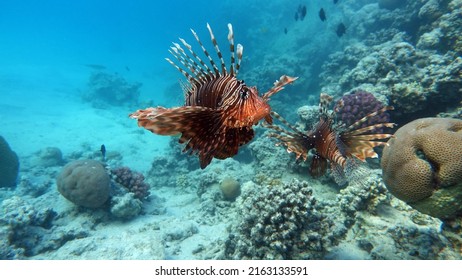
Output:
x=132 y=181
x=279 y=222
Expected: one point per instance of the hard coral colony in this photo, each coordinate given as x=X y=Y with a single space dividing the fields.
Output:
x=219 y=110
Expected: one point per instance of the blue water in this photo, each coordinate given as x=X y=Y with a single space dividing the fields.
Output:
x=50 y=50
x=54 y=39
x=46 y=47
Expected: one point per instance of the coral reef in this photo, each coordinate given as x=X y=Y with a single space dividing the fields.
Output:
x=111 y=89
x=48 y=157
x=23 y=227
x=85 y=183
x=422 y=166
x=278 y=223
x=126 y=206
x=230 y=188
x=9 y=165
x=308 y=117
x=270 y=161
x=132 y=181
x=391 y=4
x=411 y=55
x=369 y=223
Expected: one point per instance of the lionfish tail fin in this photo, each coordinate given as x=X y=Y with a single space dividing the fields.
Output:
x=356 y=172
x=278 y=86
x=338 y=173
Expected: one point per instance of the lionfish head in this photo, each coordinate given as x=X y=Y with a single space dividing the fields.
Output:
x=246 y=108
x=252 y=107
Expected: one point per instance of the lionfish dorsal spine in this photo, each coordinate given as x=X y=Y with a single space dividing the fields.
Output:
x=231 y=49
x=186 y=74
x=239 y=52
x=187 y=62
x=178 y=52
x=204 y=69
x=214 y=66
x=324 y=101
x=217 y=49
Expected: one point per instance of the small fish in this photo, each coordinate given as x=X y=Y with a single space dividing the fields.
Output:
x=300 y=13
x=332 y=143
x=126 y=68
x=96 y=66
x=341 y=29
x=220 y=110
x=303 y=12
x=103 y=152
x=335 y=1
x=322 y=14
x=285 y=30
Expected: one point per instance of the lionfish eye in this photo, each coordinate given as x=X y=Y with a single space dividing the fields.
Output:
x=244 y=93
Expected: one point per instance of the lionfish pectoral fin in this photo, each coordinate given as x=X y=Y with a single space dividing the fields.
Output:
x=158 y=120
x=201 y=128
x=204 y=160
x=318 y=166
x=234 y=138
x=278 y=86
x=172 y=121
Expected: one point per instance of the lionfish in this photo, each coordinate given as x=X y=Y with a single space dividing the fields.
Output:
x=337 y=145
x=219 y=111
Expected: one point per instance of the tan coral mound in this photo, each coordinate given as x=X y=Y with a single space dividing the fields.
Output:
x=422 y=165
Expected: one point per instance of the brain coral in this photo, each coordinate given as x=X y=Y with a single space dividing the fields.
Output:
x=422 y=165
x=85 y=183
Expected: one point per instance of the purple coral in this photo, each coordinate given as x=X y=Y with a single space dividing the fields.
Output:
x=356 y=105
x=132 y=181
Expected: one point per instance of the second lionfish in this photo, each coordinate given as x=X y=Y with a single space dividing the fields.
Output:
x=335 y=144
x=219 y=110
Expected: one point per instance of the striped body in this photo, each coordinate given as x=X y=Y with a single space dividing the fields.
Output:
x=219 y=111
x=329 y=144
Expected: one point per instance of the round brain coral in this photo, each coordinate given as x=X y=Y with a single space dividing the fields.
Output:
x=85 y=183
x=422 y=165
